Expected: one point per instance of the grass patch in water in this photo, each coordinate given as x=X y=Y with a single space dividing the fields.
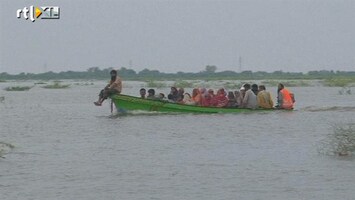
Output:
x=56 y=85
x=339 y=82
x=341 y=142
x=155 y=84
x=184 y=84
x=232 y=86
x=294 y=83
x=5 y=148
x=18 y=88
x=40 y=83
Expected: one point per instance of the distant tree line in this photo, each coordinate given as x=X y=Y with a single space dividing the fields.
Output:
x=208 y=74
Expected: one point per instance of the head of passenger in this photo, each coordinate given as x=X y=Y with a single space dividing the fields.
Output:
x=247 y=86
x=254 y=88
x=203 y=91
x=181 y=91
x=211 y=92
x=142 y=92
x=242 y=91
x=187 y=97
x=280 y=86
x=151 y=93
x=195 y=92
x=173 y=90
x=113 y=74
x=161 y=96
x=237 y=94
x=231 y=95
x=221 y=92
x=262 y=87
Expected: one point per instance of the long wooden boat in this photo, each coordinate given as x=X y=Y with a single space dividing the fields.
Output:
x=126 y=103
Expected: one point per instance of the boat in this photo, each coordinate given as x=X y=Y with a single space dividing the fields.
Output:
x=125 y=103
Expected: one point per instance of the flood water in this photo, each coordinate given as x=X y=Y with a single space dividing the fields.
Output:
x=55 y=144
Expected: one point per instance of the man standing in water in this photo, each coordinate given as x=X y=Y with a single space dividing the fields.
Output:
x=114 y=87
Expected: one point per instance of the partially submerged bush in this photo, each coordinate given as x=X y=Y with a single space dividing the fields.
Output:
x=341 y=142
x=339 y=82
x=56 y=85
x=18 y=88
x=293 y=83
x=155 y=84
x=40 y=83
x=231 y=86
x=183 y=84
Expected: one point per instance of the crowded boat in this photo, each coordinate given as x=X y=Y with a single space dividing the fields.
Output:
x=248 y=96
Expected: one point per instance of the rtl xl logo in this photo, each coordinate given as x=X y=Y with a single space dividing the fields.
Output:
x=42 y=12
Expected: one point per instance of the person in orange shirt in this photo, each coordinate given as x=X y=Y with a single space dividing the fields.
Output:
x=285 y=99
x=114 y=87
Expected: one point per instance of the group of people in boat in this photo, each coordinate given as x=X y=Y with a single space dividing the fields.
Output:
x=248 y=96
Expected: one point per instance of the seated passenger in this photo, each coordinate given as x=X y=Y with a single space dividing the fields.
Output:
x=142 y=92
x=151 y=94
x=206 y=99
x=187 y=99
x=255 y=89
x=285 y=99
x=264 y=98
x=161 y=96
x=114 y=87
x=220 y=100
x=238 y=98
x=181 y=92
x=249 y=100
x=196 y=96
x=211 y=92
x=173 y=95
x=232 y=102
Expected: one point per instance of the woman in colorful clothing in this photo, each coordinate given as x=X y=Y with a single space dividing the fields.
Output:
x=220 y=100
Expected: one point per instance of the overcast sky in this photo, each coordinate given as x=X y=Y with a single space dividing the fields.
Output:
x=181 y=35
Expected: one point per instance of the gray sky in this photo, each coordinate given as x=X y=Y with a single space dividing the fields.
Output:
x=182 y=35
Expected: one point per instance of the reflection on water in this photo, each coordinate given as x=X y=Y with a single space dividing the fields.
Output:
x=67 y=148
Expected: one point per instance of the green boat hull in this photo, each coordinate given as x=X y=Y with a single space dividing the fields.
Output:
x=126 y=103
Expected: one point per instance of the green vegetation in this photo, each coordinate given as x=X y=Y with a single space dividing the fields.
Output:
x=40 y=83
x=184 y=84
x=209 y=73
x=2 y=81
x=155 y=84
x=5 y=148
x=83 y=84
x=18 y=88
x=287 y=83
x=232 y=86
x=339 y=82
x=56 y=85
x=344 y=140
